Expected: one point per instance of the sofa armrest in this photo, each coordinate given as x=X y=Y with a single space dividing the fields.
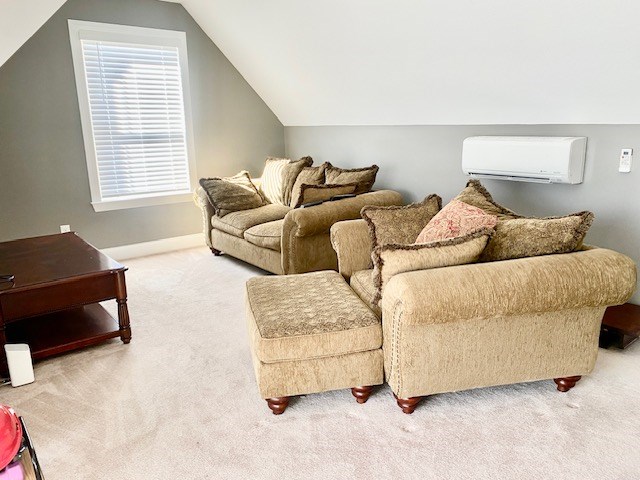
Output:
x=202 y=201
x=305 y=222
x=352 y=243
x=306 y=245
x=590 y=278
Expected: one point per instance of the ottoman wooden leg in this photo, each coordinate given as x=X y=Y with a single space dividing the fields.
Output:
x=408 y=405
x=278 y=404
x=361 y=393
x=567 y=383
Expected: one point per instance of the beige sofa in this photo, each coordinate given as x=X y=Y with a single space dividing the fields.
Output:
x=485 y=324
x=280 y=239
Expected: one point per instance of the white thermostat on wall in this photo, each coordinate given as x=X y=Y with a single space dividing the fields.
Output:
x=626 y=155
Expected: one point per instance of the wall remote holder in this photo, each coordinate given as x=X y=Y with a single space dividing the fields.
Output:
x=626 y=156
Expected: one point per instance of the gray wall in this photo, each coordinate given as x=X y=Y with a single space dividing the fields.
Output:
x=43 y=171
x=418 y=160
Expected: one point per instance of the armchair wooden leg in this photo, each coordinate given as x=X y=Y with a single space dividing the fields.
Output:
x=361 y=393
x=278 y=404
x=216 y=252
x=408 y=405
x=567 y=383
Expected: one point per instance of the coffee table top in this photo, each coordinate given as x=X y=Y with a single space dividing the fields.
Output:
x=51 y=258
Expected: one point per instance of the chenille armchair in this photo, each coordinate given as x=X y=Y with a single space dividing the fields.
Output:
x=485 y=324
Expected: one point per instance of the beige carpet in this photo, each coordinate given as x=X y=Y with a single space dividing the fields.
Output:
x=180 y=402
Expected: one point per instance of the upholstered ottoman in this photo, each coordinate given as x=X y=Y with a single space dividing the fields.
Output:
x=311 y=333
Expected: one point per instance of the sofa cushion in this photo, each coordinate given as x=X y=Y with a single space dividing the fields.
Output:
x=310 y=315
x=272 y=179
x=392 y=259
x=267 y=235
x=279 y=176
x=229 y=194
x=236 y=223
x=517 y=236
x=454 y=220
x=309 y=176
x=530 y=237
x=362 y=283
x=323 y=193
x=364 y=177
x=400 y=225
x=290 y=175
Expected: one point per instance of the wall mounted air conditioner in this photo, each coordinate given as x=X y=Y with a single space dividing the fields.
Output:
x=525 y=159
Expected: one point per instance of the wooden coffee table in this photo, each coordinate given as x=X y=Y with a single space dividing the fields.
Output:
x=52 y=303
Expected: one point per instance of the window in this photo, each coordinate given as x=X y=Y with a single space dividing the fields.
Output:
x=133 y=94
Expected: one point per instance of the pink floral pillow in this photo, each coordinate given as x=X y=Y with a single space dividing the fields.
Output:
x=454 y=220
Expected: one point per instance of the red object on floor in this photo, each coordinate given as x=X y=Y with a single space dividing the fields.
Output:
x=10 y=435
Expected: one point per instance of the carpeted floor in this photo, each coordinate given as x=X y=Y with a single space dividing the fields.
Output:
x=180 y=402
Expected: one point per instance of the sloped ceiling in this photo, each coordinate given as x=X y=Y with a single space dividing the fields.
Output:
x=19 y=20
x=368 y=62
x=416 y=62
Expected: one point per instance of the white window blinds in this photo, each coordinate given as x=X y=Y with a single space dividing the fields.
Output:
x=137 y=117
x=135 y=108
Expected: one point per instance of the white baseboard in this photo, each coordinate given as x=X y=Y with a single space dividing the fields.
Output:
x=154 y=247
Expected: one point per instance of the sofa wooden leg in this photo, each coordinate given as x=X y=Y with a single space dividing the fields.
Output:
x=216 y=252
x=362 y=394
x=408 y=405
x=278 y=404
x=567 y=383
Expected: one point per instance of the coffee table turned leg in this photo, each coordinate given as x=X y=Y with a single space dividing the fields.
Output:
x=567 y=383
x=123 y=311
x=278 y=404
x=362 y=394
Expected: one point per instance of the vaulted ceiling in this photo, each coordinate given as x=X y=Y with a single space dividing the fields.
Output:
x=416 y=62
x=20 y=19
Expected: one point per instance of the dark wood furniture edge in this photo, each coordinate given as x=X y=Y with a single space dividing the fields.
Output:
x=123 y=310
x=620 y=326
x=63 y=281
x=4 y=366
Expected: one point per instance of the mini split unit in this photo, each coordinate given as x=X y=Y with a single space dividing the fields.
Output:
x=525 y=159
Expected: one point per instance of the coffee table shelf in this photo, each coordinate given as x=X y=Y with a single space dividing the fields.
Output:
x=62 y=331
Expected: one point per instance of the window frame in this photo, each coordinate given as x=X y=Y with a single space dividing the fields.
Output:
x=79 y=30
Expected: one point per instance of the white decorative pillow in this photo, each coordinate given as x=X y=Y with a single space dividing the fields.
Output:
x=273 y=179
